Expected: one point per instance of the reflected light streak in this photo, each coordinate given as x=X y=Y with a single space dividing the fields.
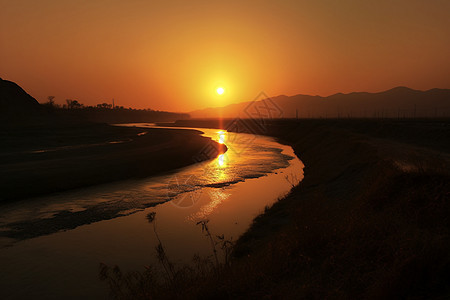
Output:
x=217 y=196
x=221 y=160
x=221 y=137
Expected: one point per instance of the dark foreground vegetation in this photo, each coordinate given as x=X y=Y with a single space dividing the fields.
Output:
x=370 y=220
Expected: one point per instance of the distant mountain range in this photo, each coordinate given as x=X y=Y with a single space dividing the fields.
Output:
x=399 y=102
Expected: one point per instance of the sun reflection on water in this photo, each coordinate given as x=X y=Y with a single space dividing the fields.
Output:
x=222 y=136
x=221 y=160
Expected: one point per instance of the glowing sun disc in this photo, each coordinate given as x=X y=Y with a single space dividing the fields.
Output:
x=220 y=90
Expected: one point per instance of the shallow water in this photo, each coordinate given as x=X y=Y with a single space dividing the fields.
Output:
x=229 y=191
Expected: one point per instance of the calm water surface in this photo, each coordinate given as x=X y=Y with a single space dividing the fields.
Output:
x=229 y=191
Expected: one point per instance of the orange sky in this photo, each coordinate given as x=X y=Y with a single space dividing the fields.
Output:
x=172 y=55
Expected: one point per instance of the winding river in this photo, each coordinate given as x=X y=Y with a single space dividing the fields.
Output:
x=229 y=191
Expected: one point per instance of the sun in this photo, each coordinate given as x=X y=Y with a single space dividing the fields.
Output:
x=220 y=90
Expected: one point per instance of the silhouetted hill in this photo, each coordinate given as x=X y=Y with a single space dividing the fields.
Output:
x=14 y=100
x=399 y=102
x=19 y=108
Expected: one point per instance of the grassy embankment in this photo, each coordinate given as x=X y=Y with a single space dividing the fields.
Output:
x=370 y=220
x=50 y=157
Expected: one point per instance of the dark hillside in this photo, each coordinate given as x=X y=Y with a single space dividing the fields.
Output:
x=15 y=101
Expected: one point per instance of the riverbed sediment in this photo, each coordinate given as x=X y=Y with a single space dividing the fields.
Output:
x=39 y=160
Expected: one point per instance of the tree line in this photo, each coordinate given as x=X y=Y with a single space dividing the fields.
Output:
x=106 y=112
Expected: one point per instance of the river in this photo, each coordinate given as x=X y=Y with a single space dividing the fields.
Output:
x=229 y=191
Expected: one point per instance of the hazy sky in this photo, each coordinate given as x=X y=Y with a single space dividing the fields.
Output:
x=172 y=55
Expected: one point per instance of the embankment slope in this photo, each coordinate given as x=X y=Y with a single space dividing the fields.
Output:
x=370 y=219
